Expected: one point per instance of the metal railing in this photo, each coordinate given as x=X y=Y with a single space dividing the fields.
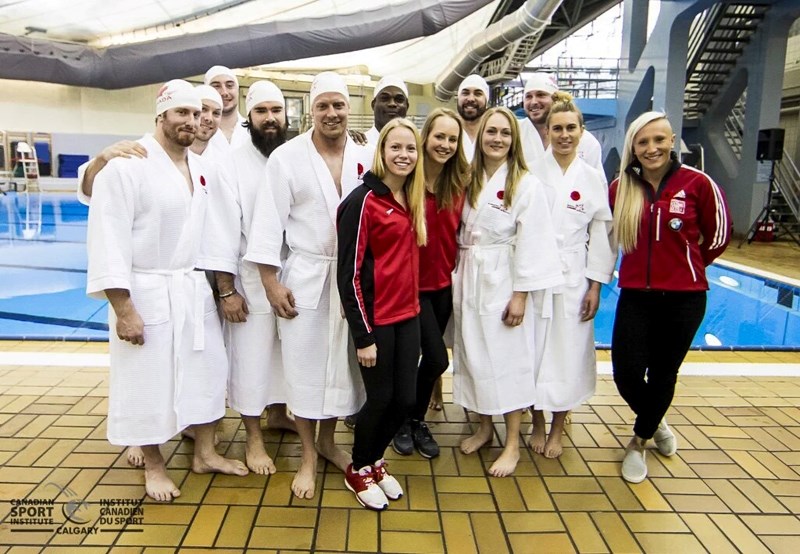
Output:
x=787 y=181
x=581 y=77
x=734 y=125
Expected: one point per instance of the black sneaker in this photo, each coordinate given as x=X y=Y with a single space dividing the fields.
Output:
x=350 y=421
x=402 y=443
x=423 y=440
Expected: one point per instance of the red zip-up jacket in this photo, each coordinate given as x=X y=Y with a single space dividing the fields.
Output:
x=685 y=225
x=378 y=264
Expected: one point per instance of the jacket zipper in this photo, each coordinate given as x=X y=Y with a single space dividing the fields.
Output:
x=658 y=225
x=689 y=261
x=649 y=246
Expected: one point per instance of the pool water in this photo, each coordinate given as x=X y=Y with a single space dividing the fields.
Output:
x=43 y=276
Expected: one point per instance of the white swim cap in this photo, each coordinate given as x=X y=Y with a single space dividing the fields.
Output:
x=263 y=91
x=219 y=70
x=177 y=93
x=328 y=81
x=207 y=92
x=542 y=81
x=391 y=81
x=474 y=81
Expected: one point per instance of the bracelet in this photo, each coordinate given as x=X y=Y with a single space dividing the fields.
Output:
x=226 y=294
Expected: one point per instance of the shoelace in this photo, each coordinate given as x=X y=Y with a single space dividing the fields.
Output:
x=367 y=476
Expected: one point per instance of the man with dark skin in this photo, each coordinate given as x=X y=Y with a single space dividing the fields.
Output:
x=390 y=101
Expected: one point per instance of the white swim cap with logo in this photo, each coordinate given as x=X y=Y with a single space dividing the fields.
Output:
x=474 y=81
x=177 y=93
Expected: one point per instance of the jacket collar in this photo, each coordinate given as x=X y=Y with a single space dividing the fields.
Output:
x=635 y=168
x=376 y=185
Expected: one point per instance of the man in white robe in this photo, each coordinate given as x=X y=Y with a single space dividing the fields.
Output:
x=308 y=177
x=210 y=119
x=227 y=85
x=149 y=230
x=390 y=101
x=472 y=101
x=537 y=102
x=256 y=371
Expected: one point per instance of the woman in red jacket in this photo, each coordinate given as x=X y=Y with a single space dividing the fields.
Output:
x=380 y=226
x=671 y=221
x=446 y=173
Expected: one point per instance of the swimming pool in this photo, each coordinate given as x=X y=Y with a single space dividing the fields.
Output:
x=43 y=279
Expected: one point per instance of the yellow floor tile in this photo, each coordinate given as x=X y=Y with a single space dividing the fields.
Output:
x=488 y=533
x=458 y=534
x=423 y=543
x=773 y=524
x=332 y=529
x=668 y=543
x=290 y=538
x=541 y=542
x=739 y=534
x=708 y=534
x=584 y=533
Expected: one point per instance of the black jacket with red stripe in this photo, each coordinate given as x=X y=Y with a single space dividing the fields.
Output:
x=378 y=263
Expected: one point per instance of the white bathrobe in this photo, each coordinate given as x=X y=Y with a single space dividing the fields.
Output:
x=256 y=370
x=468 y=145
x=147 y=234
x=589 y=149
x=500 y=251
x=239 y=137
x=322 y=376
x=566 y=369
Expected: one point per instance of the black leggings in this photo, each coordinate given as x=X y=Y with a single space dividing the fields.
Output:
x=652 y=332
x=391 y=390
x=435 y=310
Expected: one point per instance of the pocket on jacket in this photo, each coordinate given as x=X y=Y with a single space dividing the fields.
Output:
x=150 y=297
x=306 y=279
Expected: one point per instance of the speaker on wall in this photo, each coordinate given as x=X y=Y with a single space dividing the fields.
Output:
x=770 y=144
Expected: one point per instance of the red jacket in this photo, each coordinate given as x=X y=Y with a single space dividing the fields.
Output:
x=685 y=225
x=437 y=259
x=378 y=264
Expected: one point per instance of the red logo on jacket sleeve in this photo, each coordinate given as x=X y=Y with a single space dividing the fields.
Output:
x=360 y=170
x=202 y=180
x=500 y=194
x=575 y=195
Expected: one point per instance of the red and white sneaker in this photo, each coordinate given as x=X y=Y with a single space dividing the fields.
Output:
x=367 y=491
x=388 y=484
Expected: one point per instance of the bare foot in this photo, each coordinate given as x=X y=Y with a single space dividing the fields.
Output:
x=278 y=419
x=214 y=463
x=135 y=456
x=482 y=436
x=305 y=479
x=506 y=463
x=158 y=485
x=257 y=458
x=335 y=455
x=436 y=401
x=553 y=448
x=538 y=435
x=190 y=434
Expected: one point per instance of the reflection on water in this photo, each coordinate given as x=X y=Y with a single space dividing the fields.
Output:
x=43 y=276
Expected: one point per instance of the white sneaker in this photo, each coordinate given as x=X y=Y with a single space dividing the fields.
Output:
x=634 y=468
x=665 y=439
x=388 y=484
x=367 y=492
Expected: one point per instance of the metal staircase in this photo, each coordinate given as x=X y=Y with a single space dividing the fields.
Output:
x=717 y=37
x=785 y=202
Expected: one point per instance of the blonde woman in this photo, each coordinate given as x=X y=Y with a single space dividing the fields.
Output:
x=446 y=174
x=577 y=195
x=507 y=249
x=671 y=221
x=381 y=226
